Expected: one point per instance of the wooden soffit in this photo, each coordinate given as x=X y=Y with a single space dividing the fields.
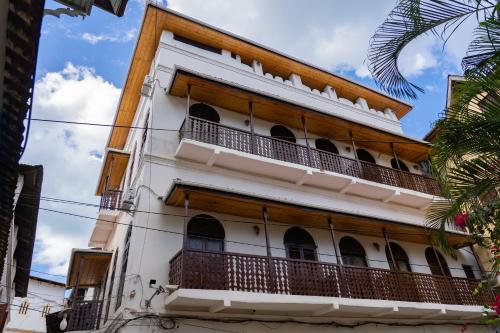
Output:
x=210 y=200
x=90 y=266
x=114 y=165
x=158 y=19
x=214 y=92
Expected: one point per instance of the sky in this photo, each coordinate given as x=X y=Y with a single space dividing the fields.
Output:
x=83 y=63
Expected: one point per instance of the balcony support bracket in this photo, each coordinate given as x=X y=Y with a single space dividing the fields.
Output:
x=327 y=309
x=439 y=313
x=224 y=304
x=386 y=313
x=211 y=161
x=348 y=186
x=303 y=177
x=392 y=196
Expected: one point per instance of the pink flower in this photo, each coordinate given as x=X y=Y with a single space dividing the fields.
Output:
x=461 y=219
x=496 y=305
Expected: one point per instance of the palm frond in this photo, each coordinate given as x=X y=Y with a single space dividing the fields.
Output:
x=407 y=21
x=484 y=49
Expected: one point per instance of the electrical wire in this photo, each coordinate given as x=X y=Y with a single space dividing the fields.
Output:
x=185 y=131
x=226 y=240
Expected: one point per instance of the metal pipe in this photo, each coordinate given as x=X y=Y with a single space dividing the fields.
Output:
x=307 y=139
x=332 y=235
x=268 y=249
x=394 y=263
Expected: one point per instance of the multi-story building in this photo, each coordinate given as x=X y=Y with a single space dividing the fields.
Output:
x=28 y=313
x=15 y=278
x=246 y=190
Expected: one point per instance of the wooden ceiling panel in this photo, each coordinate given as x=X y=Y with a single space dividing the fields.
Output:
x=210 y=200
x=273 y=110
x=88 y=268
x=114 y=166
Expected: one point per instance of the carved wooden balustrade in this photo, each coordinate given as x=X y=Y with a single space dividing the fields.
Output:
x=111 y=199
x=194 y=269
x=85 y=316
x=233 y=138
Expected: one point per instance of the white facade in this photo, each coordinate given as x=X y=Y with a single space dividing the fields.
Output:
x=157 y=228
x=27 y=314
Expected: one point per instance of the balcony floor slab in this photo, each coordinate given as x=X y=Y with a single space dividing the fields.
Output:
x=213 y=155
x=236 y=302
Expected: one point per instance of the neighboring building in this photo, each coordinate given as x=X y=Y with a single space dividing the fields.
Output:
x=485 y=255
x=84 y=7
x=20 y=22
x=21 y=240
x=254 y=192
x=29 y=312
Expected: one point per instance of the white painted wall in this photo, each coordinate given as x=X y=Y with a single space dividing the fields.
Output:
x=40 y=295
x=151 y=250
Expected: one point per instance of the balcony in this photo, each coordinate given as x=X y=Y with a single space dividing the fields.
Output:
x=243 y=141
x=111 y=200
x=83 y=316
x=194 y=269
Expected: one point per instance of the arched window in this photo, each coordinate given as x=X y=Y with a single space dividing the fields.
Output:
x=203 y=111
x=434 y=262
x=352 y=252
x=283 y=133
x=364 y=155
x=205 y=233
x=326 y=145
x=400 y=257
x=402 y=166
x=299 y=244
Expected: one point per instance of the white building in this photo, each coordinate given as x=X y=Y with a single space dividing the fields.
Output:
x=262 y=197
x=28 y=313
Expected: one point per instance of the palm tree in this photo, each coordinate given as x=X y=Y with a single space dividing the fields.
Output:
x=466 y=153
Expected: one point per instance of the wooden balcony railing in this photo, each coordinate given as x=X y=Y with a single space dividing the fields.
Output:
x=233 y=138
x=252 y=273
x=111 y=199
x=84 y=316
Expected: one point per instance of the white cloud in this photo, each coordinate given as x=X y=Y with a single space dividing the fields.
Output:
x=334 y=35
x=120 y=37
x=70 y=154
x=53 y=249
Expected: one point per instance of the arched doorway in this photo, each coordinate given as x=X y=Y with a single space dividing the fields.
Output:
x=402 y=166
x=364 y=155
x=283 y=144
x=368 y=171
x=299 y=244
x=205 y=233
x=204 y=254
x=436 y=262
x=400 y=257
x=204 y=111
x=326 y=145
x=326 y=160
x=203 y=126
x=359 y=282
x=352 y=252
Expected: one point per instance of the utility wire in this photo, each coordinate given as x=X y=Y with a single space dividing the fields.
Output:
x=226 y=240
x=192 y=131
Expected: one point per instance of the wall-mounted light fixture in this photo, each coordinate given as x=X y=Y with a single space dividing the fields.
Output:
x=376 y=246
x=256 y=229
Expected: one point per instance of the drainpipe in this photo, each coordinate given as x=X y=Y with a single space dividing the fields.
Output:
x=184 y=238
x=360 y=172
x=272 y=283
x=252 y=130
x=307 y=140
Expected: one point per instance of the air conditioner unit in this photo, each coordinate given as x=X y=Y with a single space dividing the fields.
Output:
x=128 y=199
x=147 y=86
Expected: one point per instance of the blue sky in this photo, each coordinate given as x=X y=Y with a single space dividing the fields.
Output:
x=82 y=65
